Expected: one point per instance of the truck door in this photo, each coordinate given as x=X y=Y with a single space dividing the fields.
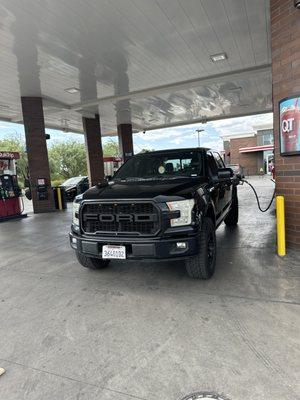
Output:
x=225 y=187
x=214 y=186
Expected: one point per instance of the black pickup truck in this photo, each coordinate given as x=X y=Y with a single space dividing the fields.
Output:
x=160 y=205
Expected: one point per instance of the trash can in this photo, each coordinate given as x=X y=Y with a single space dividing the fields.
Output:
x=60 y=200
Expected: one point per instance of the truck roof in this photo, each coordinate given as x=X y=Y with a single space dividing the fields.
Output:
x=174 y=150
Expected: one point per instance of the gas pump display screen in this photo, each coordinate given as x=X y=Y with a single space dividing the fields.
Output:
x=289 y=126
x=41 y=181
x=6 y=182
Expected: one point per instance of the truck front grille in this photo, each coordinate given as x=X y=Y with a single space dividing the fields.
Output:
x=140 y=218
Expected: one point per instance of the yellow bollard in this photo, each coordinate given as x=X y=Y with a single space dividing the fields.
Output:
x=281 y=250
x=59 y=198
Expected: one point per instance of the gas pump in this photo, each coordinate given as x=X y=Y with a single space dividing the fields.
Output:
x=10 y=192
x=42 y=189
x=111 y=165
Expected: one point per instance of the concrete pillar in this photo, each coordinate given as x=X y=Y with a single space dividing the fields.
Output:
x=285 y=41
x=37 y=153
x=125 y=140
x=92 y=134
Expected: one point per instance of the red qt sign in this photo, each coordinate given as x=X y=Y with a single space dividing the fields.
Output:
x=289 y=126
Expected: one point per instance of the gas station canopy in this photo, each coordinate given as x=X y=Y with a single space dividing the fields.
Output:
x=150 y=63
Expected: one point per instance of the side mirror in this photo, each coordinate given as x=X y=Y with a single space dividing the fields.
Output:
x=109 y=177
x=224 y=174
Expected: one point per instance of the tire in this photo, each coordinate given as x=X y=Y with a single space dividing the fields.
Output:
x=202 y=266
x=232 y=217
x=90 y=262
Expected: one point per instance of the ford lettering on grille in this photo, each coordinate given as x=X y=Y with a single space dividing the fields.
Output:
x=117 y=218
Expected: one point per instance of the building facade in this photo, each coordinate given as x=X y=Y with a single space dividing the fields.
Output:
x=254 y=151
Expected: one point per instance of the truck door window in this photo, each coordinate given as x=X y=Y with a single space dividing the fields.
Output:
x=212 y=166
x=218 y=160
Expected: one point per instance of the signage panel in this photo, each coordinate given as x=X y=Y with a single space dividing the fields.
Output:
x=9 y=155
x=289 y=125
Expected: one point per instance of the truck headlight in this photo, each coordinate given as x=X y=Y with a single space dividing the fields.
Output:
x=185 y=207
x=75 y=218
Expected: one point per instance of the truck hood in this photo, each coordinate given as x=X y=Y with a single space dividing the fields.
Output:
x=142 y=190
x=68 y=187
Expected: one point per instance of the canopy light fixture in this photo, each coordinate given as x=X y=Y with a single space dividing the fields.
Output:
x=234 y=89
x=218 y=57
x=72 y=90
x=204 y=396
x=244 y=105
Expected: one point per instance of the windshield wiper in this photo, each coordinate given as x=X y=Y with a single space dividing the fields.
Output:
x=130 y=179
x=154 y=178
x=169 y=178
x=163 y=178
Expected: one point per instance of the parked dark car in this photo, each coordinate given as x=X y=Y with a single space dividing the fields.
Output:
x=162 y=205
x=74 y=186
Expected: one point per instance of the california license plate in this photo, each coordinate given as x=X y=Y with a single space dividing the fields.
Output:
x=114 y=252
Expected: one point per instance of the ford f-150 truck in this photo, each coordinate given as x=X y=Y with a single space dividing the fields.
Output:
x=160 y=205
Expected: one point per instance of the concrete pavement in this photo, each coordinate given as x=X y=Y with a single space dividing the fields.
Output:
x=147 y=331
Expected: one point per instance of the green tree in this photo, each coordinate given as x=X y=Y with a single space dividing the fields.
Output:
x=145 y=150
x=111 y=148
x=67 y=159
x=16 y=144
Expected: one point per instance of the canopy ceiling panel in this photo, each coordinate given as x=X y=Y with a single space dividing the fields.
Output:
x=115 y=52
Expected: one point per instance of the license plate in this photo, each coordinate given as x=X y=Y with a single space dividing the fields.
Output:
x=114 y=252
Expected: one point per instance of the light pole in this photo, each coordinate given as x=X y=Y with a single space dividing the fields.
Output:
x=198 y=131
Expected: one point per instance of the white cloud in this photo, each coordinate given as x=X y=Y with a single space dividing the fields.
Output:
x=177 y=134
x=216 y=144
x=4 y=126
x=153 y=136
x=241 y=124
x=182 y=134
x=178 y=140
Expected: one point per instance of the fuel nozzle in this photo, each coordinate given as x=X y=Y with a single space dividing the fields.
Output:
x=237 y=179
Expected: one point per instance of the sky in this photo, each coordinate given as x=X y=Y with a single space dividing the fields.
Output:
x=167 y=138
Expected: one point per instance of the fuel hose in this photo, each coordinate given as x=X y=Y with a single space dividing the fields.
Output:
x=257 y=199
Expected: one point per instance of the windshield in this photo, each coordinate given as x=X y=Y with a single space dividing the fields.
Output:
x=72 y=181
x=182 y=164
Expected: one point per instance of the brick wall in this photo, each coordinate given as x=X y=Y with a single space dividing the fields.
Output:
x=285 y=42
x=226 y=145
x=247 y=160
x=125 y=140
x=94 y=153
x=37 y=153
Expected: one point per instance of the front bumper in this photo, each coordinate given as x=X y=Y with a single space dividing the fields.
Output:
x=144 y=249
